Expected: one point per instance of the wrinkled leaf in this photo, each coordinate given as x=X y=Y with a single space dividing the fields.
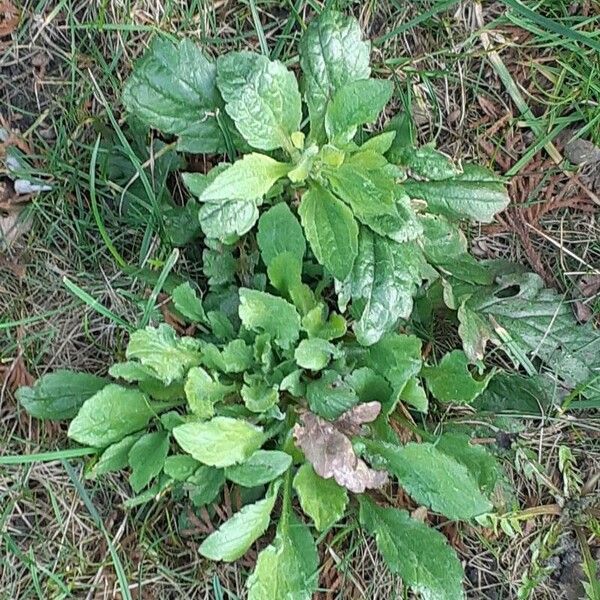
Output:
x=280 y=232
x=172 y=88
x=263 y=312
x=332 y=54
x=262 y=98
x=188 y=303
x=160 y=349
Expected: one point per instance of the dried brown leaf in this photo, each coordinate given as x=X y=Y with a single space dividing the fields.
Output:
x=352 y=420
x=9 y=18
x=331 y=453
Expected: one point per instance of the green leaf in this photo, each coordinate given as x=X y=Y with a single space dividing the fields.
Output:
x=180 y=466
x=203 y=391
x=354 y=104
x=330 y=230
x=414 y=394
x=263 y=312
x=433 y=478
x=188 y=303
x=474 y=331
x=379 y=143
x=131 y=371
x=260 y=396
x=229 y=219
x=445 y=246
x=398 y=358
x=263 y=466
x=204 y=485
x=262 y=98
x=172 y=88
x=376 y=201
x=511 y=392
x=218 y=264
x=419 y=554
x=384 y=280
x=323 y=500
x=317 y=324
x=332 y=54
x=160 y=349
x=280 y=232
x=59 y=395
x=110 y=415
x=451 y=380
x=330 y=396
x=147 y=458
x=237 y=356
x=220 y=442
x=480 y=463
x=314 y=353
x=369 y=385
x=427 y=163
x=476 y=194
x=248 y=178
x=288 y=568
x=539 y=323
x=115 y=457
x=235 y=536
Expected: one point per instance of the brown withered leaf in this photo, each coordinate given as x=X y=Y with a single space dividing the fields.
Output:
x=330 y=451
x=351 y=422
x=9 y=18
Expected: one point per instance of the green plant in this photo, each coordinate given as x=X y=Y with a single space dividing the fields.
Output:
x=327 y=263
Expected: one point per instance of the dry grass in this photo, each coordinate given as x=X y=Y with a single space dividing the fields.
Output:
x=51 y=69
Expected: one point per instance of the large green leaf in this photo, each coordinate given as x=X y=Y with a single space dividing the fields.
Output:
x=332 y=54
x=330 y=230
x=426 y=163
x=279 y=232
x=147 y=457
x=263 y=312
x=262 y=98
x=160 y=349
x=288 y=568
x=539 y=323
x=59 y=395
x=384 y=280
x=172 y=88
x=251 y=177
x=323 y=500
x=220 y=442
x=260 y=468
x=433 y=478
x=355 y=103
x=235 y=536
x=476 y=194
x=376 y=201
x=451 y=380
x=110 y=415
x=419 y=554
